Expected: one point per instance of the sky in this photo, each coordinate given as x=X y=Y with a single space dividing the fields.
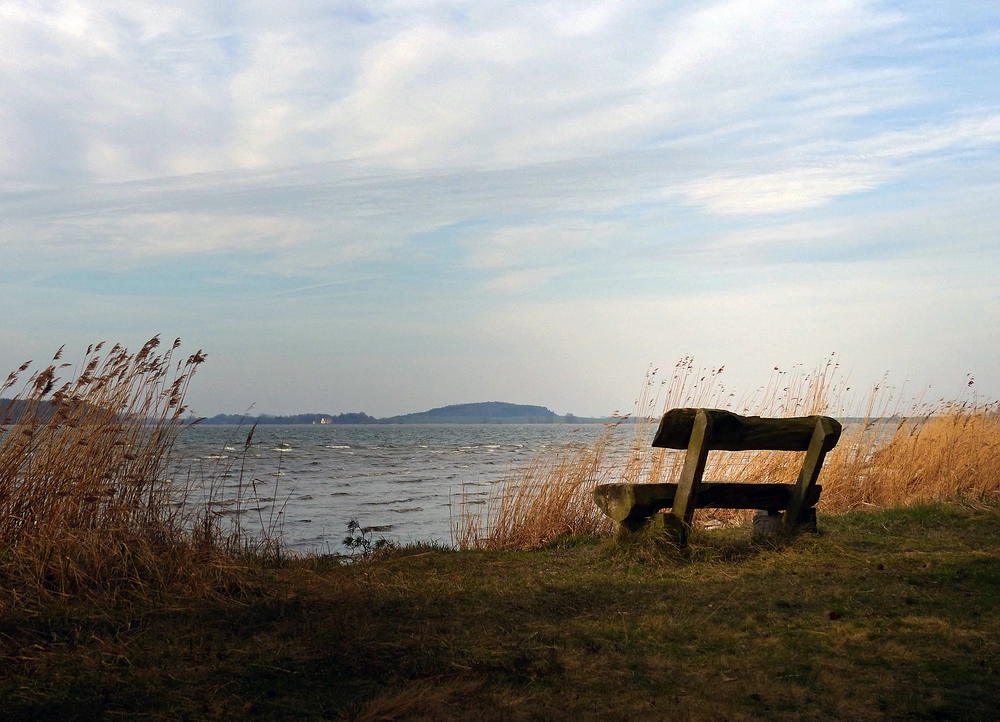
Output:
x=392 y=206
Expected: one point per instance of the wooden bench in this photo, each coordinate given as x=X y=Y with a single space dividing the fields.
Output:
x=637 y=506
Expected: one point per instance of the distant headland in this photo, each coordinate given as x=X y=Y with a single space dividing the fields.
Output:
x=487 y=412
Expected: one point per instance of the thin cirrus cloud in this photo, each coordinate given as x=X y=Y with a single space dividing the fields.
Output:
x=401 y=176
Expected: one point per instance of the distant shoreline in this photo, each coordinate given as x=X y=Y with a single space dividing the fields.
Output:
x=283 y=421
x=488 y=412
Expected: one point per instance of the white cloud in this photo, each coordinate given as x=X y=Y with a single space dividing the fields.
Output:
x=538 y=244
x=838 y=169
x=521 y=281
x=756 y=40
x=787 y=190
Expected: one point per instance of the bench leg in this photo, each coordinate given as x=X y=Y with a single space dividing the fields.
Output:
x=694 y=467
x=662 y=526
x=670 y=527
x=807 y=520
x=796 y=512
x=770 y=522
x=766 y=522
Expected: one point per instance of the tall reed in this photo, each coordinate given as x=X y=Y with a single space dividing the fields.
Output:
x=83 y=495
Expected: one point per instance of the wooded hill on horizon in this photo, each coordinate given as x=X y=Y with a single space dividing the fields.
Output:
x=486 y=412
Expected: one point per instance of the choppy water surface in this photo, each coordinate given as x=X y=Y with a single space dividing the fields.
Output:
x=401 y=479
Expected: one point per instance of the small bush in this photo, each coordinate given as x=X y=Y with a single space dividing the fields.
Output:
x=360 y=540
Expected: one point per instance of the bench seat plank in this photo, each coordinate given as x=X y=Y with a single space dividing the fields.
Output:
x=635 y=502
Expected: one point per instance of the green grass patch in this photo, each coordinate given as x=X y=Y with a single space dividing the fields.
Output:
x=887 y=615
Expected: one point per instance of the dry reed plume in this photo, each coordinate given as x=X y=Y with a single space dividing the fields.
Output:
x=83 y=499
x=890 y=454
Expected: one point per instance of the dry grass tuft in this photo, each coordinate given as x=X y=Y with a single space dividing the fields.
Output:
x=84 y=503
x=892 y=453
x=428 y=699
x=543 y=500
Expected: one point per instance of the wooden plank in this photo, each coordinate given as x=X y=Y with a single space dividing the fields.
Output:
x=694 y=466
x=636 y=502
x=811 y=467
x=731 y=432
x=737 y=495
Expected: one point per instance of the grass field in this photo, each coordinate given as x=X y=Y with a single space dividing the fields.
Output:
x=886 y=615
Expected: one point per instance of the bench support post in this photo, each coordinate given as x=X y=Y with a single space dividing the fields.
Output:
x=694 y=468
x=811 y=467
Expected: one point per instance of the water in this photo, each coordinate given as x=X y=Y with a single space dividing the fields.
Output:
x=404 y=480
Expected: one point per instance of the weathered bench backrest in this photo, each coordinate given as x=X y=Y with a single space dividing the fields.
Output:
x=731 y=432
